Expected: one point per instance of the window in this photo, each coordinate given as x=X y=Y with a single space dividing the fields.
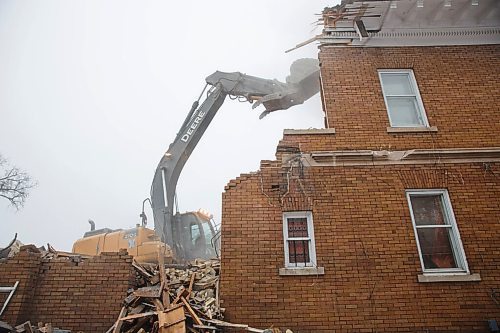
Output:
x=438 y=240
x=195 y=234
x=402 y=98
x=299 y=239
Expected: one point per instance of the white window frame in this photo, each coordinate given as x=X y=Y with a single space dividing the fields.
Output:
x=421 y=114
x=456 y=242
x=310 y=230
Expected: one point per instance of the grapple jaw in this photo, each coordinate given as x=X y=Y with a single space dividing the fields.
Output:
x=301 y=84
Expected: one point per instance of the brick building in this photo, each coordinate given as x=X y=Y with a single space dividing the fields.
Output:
x=387 y=220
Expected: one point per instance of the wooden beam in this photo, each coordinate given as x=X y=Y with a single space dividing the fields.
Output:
x=165 y=297
x=190 y=289
x=181 y=293
x=139 y=315
x=118 y=323
x=141 y=270
x=191 y=311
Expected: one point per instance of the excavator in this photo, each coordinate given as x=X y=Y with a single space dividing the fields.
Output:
x=184 y=236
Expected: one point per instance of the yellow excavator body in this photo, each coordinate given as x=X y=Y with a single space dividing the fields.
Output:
x=140 y=242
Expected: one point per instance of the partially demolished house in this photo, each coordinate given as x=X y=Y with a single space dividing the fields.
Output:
x=387 y=220
x=59 y=292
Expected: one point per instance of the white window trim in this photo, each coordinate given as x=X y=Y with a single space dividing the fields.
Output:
x=413 y=83
x=312 y=245
x=456 y=242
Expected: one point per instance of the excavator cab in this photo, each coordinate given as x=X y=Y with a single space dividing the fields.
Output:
x=195 y=234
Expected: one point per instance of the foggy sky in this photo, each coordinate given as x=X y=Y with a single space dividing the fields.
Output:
x=93 y=92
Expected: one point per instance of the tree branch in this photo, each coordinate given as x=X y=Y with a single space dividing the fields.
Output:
x=14 y=184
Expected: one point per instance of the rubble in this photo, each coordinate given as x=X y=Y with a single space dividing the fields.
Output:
x=175 y=299
x=27 y=327
x=165 y=298
x=12 y=249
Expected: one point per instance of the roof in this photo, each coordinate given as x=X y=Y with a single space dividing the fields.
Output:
x=412 y=22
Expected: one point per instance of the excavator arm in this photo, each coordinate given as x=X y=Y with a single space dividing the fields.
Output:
x=301 y=84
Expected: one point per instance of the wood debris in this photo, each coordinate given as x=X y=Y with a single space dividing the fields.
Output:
x=172 y=298
x=27 y=327
x=166 y=298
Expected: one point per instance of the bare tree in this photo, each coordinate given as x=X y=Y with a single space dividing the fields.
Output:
x=14 y=184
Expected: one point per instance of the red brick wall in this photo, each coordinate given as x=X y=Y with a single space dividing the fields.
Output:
x=24 y=268
x=366 y=243
x=459 y=86
x=364 y=234
x=81 y=297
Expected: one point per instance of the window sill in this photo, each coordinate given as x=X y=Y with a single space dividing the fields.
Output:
x=324 y=131
x=302 y=271
x=411 y=129
x=449 y=278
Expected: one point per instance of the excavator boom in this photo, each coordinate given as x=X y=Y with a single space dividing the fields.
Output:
x=301 y=84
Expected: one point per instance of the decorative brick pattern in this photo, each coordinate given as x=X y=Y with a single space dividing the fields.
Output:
x=81 y=297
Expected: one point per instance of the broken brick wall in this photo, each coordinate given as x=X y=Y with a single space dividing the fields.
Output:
x=459 y=86
x=23 y=267
x=366 y=244
x=81 y=296
x=363 y=230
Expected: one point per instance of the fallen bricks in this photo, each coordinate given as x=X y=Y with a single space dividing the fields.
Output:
x=175 y=299
x=171 y=298
x=27 y=327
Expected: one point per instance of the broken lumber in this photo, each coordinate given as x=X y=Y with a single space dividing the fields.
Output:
x=136 y=316
x=172 y=320
x=118 y=323
x=163 y=279
x=191 y=311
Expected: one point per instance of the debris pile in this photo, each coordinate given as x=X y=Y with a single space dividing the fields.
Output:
x=166 y=298
x=12 y=249
x=27 y=327
x=177 y=298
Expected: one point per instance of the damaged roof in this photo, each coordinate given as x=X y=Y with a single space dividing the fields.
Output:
x=412 y=22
